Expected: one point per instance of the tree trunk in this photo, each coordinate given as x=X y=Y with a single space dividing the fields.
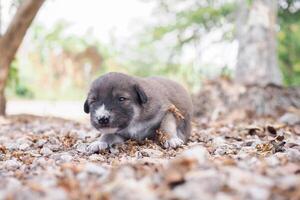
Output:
x=11 y=40
x=0 y=17
x=256 y=34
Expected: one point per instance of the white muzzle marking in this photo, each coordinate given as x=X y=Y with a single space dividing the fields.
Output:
x=102 y=112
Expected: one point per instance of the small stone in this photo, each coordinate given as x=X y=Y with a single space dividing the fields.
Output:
x=114 y=151
x=290 y=118
x=11 y=146
x=54 y=140
x=247 y=143
x=81 y=148
x=223 y=196
x=40 y=161
x=198 y=152
x=34 y=153
x=12 y=164
x=153 y=153
x=220 y=151
x=97 y=157
x=226 y=149
x=46 y=151
x=293 y=155
x=259 y=193
x=54 y=147
x=12 y=184
x=66 y=157
x=272 y=161
x=57 y=194
x=82 y=176
x=287 y=182
x=218 y=141
x=131 y=189
x=297 y=129
x=41 y=142
x=94 y=169
x=291 y=145
x=24 y=147
x=81 y=134
x=138 y=155
x=23 y=140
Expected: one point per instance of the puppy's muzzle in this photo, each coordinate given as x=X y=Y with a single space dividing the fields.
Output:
x=102 y=116
x=103 y=120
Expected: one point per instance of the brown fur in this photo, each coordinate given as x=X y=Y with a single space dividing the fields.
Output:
x=155 y=103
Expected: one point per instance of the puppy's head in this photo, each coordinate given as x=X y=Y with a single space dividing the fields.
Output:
x=113 y=101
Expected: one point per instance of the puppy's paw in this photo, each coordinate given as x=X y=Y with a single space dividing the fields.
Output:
x=173 y=143
x=97 y=146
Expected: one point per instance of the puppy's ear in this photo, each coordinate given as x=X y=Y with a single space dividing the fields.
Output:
x=86 y=107
x=142 y=97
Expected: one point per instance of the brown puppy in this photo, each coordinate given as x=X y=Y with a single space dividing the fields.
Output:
x=125 y=107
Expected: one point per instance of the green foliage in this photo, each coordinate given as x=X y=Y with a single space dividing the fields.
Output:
x=196 y=17
x=179 y=25
x=194 y=21
x=249 y=2
x=157 y=51
x=289 y=41
x=15 y=84
x=55 y=65
x=190 y=23
x=47 y=40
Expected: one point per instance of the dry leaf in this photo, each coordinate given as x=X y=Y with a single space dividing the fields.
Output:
x=177 y=113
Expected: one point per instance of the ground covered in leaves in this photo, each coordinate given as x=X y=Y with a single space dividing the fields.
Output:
x=229 y=156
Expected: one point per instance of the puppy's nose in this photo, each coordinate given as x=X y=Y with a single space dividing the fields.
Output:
x=103 y=120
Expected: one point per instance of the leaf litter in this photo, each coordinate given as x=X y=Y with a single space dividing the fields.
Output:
x=236 y=155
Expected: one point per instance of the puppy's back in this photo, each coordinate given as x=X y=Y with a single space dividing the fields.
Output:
x=173 y=92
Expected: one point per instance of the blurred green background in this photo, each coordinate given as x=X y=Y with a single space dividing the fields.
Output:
x=55 y=63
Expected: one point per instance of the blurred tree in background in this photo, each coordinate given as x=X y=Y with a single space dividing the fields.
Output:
x=172 y=44
x=179 y=27
x=188 y=21
x=65 y=63
x=11 y=40
x=256 y=35
x=289 y=40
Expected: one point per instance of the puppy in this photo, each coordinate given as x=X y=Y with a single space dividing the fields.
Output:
x=124 y=107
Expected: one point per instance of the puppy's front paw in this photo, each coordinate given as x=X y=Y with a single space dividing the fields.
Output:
x=173 y=143
x=97 y=146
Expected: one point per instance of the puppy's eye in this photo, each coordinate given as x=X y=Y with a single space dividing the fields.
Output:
x=122 y=98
